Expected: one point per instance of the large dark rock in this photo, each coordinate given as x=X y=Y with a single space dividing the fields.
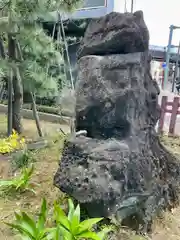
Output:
x=120 y=168
x=115 y=33
x=117 y=167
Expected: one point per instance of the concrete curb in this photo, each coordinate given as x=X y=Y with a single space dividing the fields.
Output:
x=42 y=116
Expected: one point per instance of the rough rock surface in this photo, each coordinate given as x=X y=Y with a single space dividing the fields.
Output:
x=120 y=168
x=115 y=33
x=112 y=97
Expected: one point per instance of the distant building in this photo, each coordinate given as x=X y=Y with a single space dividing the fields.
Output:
x=96 y=9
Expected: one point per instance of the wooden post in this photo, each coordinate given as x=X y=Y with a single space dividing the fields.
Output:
x=36 y=116
x=163 y=112
x=175 y=107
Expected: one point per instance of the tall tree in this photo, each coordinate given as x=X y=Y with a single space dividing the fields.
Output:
x=20 y=24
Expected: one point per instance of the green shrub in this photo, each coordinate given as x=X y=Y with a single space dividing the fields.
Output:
x=54 y=110
x=43 y=108
x=22 y=159
x=30 y=229
x=71 y=227
x=67 y=227
x=47 y=109
x=20 y=183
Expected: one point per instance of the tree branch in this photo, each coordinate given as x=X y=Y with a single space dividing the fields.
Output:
x=6 y=4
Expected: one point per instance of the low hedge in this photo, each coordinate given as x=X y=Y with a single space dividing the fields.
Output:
x=47 y=109
x=43 y=108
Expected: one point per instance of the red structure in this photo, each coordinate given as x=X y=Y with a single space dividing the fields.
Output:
x=174 y=111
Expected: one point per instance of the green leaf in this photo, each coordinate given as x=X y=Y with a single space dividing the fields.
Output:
x=52 y=233
x=6 y=183
x=18 y=217
x=43 y=234
x=71 y=209
x=27 y=172
x=75 y=219
x=102 y=234
x=21 y=229
x=61 y=217
x=19 y=184
x=67 y=235
x=87 y=224
x=29 y=224
x=22 y=181
x=43 y=215
x=88 y=235
x=57 y=234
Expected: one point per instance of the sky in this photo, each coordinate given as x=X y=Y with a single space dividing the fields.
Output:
x=159 y=15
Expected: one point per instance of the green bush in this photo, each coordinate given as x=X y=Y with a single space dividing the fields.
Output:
x=47 y=109
x=67 y=227
x=43 y=108
x=53 y=110
x=22 y=159
x=20 y=183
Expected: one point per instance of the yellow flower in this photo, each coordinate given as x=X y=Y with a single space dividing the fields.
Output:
x=11 y=143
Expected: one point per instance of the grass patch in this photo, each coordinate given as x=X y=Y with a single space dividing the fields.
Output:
x=29 y=128
x=45 y=167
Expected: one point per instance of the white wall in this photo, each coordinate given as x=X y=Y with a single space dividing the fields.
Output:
x=122 y=6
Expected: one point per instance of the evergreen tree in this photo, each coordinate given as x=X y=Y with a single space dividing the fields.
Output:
x=28 y=52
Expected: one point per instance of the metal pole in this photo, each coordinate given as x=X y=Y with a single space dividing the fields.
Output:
x=176 y=68
x=132 y=5
x=66 y=50
x=166 y=72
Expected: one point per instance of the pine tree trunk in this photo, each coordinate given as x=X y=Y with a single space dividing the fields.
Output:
x=17 y=102
x=17 y=89
x=11 y=53
x=2 y=55
x=1 y=92
x=35 y=115
x=10 y=88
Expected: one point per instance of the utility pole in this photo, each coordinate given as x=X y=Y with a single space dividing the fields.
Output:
x=166 y=72
x=176 y=68
x=132 y=5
